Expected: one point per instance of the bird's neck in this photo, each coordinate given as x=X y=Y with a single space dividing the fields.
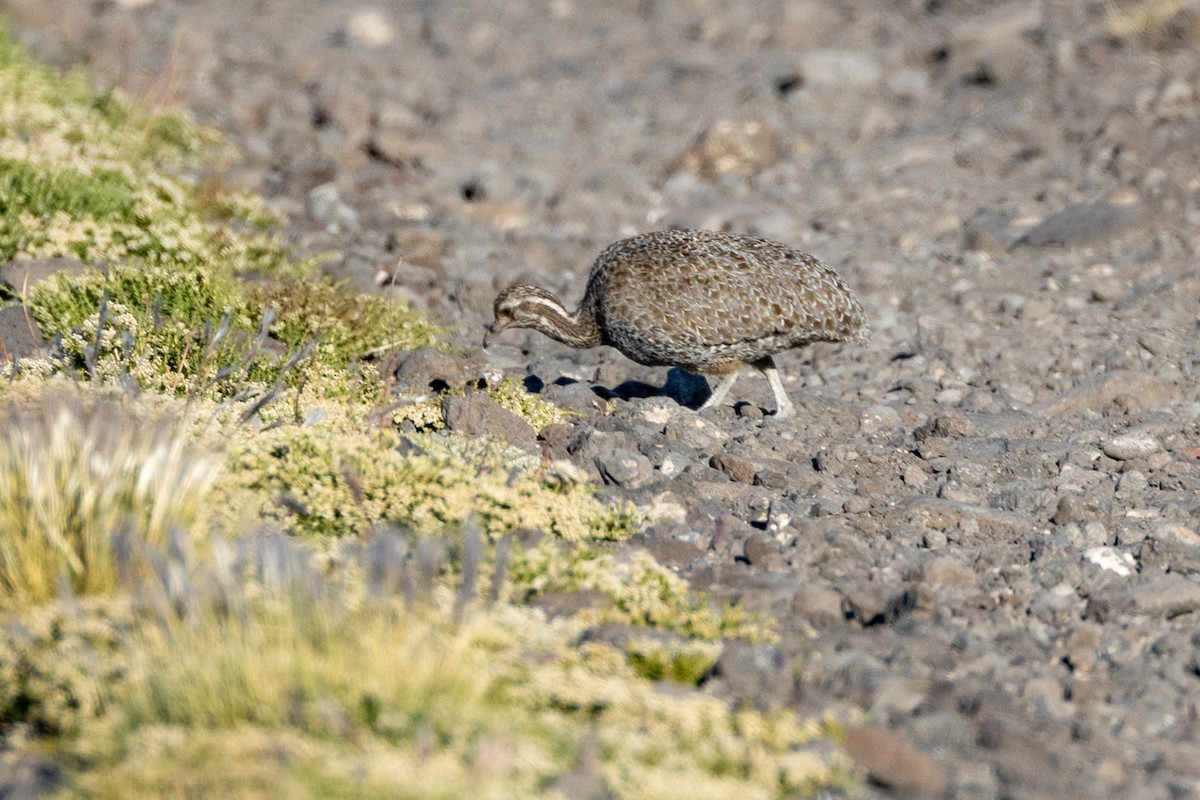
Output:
x=575 y=330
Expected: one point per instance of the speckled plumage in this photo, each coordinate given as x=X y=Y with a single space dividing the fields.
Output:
x=705 y=301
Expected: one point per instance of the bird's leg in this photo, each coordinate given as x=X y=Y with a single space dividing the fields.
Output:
x=783 y=406
x=723 y=387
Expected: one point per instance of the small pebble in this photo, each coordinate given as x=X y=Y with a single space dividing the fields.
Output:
x=369 y=27
x=1111 y=559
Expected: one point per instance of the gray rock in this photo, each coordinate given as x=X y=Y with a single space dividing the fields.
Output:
x=909 y=85
x=693 y=432
x=873 y=603
x=568 y=603
x=749 y=411
x=1084 y=224
x=1159 y=344
x=892 y=760
x=426 y=368
x=342 y=106
x=1106 y=288
x=737 y=468
x=370 y=27
x=1132 y=485
x=421 y=246
x=993 y=231
x=28 y=776
x=952 y=425
x=480 y=415
x=326 y=207
x=1174 y=546
x=626 y=468
x=669 y=548
x=1046 y=695
x=396 y=147
x=879 y=419
x=762 y=551
x=20 y=336
x=840 y=69
x=742 y=146
x=758 y=675
x=1159 y=596
x=946 y=571
x=1130 y=446
x=818 y=605
x=573 y=396
x=1071 y=509
x=915 y=476
x=1143 y=392
x=21 y=274
x=933 y=448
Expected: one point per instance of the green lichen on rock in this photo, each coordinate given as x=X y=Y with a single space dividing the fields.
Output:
x=90 y=176
x=686 y=661
x=525 y=404
x=198 y=329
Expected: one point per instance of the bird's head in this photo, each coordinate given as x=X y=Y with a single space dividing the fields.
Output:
x=523 y=306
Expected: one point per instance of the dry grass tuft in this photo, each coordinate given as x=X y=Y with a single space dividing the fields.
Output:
x=76 y=472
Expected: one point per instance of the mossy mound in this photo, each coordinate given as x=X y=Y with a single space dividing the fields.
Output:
x=341 y=480
x=164 y=300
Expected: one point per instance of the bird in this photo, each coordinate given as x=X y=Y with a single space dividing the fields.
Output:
x=706 y=301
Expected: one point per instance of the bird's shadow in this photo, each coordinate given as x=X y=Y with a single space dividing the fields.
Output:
x=681 y=386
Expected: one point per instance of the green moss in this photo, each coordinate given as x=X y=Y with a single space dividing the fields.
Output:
x=528 y=406
x=92 y=177
x=348 y=324
x=328 y=480
x=191 y=296
x=40 y=191
x=58 y=664
x=686 y=662
x=174 y=328
x=644 y=593
x=426 y=413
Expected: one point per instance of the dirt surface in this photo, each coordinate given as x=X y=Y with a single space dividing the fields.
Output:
x=982 y=530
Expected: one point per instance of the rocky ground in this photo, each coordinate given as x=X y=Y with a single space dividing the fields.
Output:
x=983 y=528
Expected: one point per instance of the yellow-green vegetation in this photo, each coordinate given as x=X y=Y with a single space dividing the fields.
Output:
x=643 y=592
x=288 y=690
x=526 y=405
x=332 y=479
x=93 y=178
x=427 y=413
x=90 y=176
x=264 y=588
x=74 y=472
x=1147 y=21
x=346 y=324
